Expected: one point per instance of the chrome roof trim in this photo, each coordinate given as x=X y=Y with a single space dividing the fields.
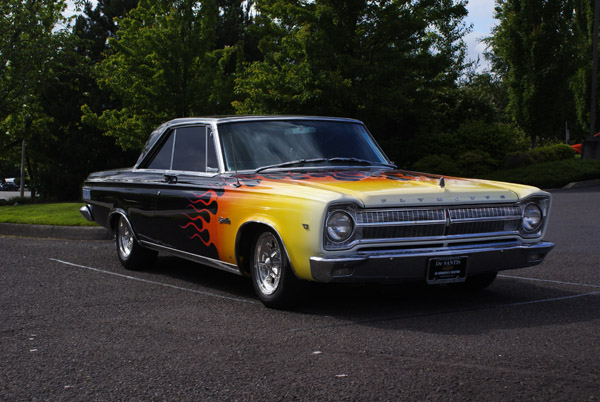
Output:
x=247 y=118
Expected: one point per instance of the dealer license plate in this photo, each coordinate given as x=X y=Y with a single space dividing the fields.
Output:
x=447 y=270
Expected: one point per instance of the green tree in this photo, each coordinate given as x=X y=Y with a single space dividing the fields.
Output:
x=533 y=53
x=28 y=40
x=583 y=31
x=60 y=151
x=169 y=59
x=31 y=34
x=66 y=157
x=385 y=62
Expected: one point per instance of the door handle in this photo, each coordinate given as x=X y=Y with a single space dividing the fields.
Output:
x=171 y=179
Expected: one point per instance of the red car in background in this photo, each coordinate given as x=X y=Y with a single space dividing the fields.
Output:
x=577 y=147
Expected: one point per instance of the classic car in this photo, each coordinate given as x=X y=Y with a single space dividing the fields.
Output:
x=285 y=200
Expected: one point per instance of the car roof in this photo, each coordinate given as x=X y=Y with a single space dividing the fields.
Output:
x=216 y=120
x=241 y=118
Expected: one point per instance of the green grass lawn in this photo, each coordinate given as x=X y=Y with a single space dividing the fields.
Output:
x=62 y=214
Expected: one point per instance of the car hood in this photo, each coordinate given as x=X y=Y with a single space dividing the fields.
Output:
x=391 y=187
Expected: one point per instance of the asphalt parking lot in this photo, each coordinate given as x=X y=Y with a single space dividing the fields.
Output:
x=76 y=326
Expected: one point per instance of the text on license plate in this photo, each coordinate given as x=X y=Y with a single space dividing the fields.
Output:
x=447 y=270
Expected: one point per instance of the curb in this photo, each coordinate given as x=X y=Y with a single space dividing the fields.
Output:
x=55 y=232
x=587 y=183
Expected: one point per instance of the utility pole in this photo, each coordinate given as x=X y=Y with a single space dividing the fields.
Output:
x=591 y=146
x=23 y=169
x=594 y=72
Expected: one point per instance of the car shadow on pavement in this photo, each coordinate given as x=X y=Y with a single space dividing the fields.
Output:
x=507 y=303
x=206 y=277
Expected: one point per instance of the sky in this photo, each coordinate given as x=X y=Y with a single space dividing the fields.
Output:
x=481 y=15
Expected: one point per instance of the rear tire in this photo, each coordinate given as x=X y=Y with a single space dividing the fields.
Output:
x=273 y=280
x=131 y=254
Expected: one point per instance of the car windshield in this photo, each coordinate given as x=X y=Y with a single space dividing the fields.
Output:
x=261 y=145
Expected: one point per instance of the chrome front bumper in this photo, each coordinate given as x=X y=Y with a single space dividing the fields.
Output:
x=412 y=264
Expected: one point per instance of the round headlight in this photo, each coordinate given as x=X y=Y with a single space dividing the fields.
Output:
x=532 y=217
x=339 y=226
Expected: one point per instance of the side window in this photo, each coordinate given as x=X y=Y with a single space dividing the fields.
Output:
x=162 y=160
x=188 y=149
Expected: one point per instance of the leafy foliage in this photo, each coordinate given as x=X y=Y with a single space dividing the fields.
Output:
x=549 y=153
x=384 y=62
x=548 y=175
x=28 y=41
x=583 y=28
x=165 y=63
x=81 y=92
x=475 y=148
x=533 y=51
x=30 y=38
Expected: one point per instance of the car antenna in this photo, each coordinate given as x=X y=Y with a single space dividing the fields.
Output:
x=237 y=184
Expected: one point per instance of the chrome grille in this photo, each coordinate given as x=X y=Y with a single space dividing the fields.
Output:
x=391 y=232
x=390 y=217
x=377 y=225
x=513 y=212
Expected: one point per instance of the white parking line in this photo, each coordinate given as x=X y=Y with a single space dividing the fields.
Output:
x=201 y=292
x=550 y=299
x=549 y=281
x=254 y=302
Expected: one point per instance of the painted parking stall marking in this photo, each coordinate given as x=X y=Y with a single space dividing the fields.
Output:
x=201 y=292
x=549 y=281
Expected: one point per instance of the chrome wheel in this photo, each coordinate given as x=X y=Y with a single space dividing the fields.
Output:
x=131 y=254
x=268 y=263
x=125 y=238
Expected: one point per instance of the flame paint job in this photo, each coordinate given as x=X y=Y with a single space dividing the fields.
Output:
x=286 y=201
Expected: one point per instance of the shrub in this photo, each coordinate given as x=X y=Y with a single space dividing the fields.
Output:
x=562 y=152
x=496 y=139
x=476 y=162
x=549 y=153
x=438 y=164
x=554 y=174
x=517 y=159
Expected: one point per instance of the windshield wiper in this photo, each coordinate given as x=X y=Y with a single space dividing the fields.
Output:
x=291 y=163
x=324 y=160
x=361 y=162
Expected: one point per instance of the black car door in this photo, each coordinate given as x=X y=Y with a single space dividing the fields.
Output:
x=186 y=203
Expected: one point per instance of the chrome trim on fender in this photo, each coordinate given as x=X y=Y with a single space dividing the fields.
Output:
x=237 y=241
x=224 y=266
x=411 y=264
x=119 y=211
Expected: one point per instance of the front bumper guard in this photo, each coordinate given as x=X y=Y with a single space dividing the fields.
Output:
x=411 y=264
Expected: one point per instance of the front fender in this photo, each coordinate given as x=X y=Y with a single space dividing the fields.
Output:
x=300 y=239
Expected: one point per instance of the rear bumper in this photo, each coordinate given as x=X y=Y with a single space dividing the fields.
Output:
x=412 y=264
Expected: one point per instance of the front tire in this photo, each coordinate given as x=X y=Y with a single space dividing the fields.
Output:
x=272 y=277
x=132 y=256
